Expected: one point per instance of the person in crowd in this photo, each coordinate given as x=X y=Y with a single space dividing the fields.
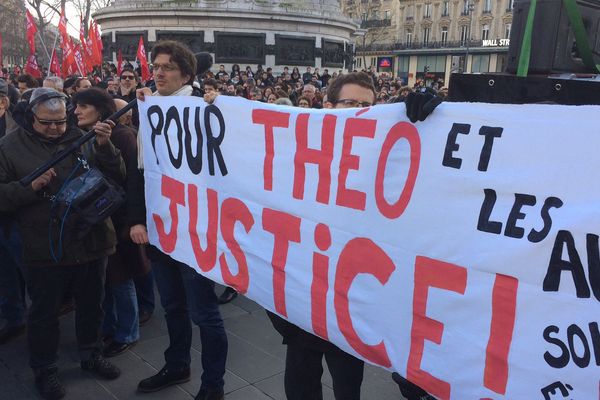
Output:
x=249 y=72
x=82 y=84
x=129 y=82
x=69 y=85
x=13 y=307
x=307 y=76
x=184 y=293
x=284 y=101
x=26 y=81
x=235 y=70
x=120 y=328
x=272 y=98
x=305 y=351
x=54 y=82
x=220 y=72
x=211 y=85
x=71 y=257
x=309 y=91
x=112 y=85
x=325 y=78
x=295 y=77
x=304 y=102
x=7 y=123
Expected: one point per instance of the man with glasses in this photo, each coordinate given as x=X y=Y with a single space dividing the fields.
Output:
x=128 y=84
x=58 y=256
x=184 y=294
x=305 y=351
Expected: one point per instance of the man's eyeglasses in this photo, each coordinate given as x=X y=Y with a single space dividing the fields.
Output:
x=48 y=122
x=165 y=67
x=128 y=77
x=350 y=103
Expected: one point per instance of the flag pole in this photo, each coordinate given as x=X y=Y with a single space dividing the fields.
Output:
x=53 y=51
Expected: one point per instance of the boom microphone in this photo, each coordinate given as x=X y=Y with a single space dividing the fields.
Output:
x=204 y=61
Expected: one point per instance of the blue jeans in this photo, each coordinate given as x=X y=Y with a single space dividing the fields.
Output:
x=144 y=290
x=12 y=282
x=185 y=294
x=121 y=312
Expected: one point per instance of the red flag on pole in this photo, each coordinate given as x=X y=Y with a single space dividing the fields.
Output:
x=32 y=67
x=85 y=53
x=79 y=60
x=119 y=62
x=96 y=40
x=65 y=41
x=54 y=66
x=31 y=30
x=141 y=56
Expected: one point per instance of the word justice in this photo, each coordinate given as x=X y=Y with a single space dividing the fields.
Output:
x=358 y=256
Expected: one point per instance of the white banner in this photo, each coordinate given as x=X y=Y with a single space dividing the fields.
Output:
x=461 y=251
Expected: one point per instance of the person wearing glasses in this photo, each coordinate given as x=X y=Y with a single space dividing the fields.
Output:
x=128 y=84
x=185 y=295
x=57 y=255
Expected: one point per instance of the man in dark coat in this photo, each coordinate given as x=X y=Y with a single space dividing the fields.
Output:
x=58 y=254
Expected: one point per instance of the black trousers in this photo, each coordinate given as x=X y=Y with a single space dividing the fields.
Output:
x=47 y=286
x=304 y=368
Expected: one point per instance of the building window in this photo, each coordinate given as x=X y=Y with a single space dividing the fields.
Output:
x=464 y=31
x=465 y=7
x=409 y=38
x=363 y=16
x=373 y=62
x=409 y=13
x=485 y=32
x=444 y=35
x=388 y=14
x=446 y=8
x=510 y=5
x=507 y=31
x=427 y=11
x=375 y=14
x=487 y=6
x=480 y=63
x=426 y=32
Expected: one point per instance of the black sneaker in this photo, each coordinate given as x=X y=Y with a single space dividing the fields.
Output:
x=164 y=378
x=101 y=367
x=47 y=383
x=204 y=394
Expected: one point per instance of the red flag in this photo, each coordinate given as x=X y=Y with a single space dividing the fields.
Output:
x=32 y=67
x=85 y=54
x=141 y=56
x=96 y=40
x=119 y=63
x=65 y=41
x=54 y=66
x=79 y=60
x=31 y=30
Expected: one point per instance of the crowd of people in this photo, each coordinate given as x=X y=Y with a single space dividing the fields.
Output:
x=106 y=271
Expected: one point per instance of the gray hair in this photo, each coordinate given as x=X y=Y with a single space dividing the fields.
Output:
x=55 y=104
x=56 y=81
x=282 y=101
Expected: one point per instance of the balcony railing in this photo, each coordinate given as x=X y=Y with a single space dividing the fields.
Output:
x=417 y=45
x=410 y=18
x=375 y=23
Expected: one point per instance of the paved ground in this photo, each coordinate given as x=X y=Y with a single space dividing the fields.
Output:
x=254 y=367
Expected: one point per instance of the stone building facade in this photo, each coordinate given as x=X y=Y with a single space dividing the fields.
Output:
x=245 y=32
x=430 y=39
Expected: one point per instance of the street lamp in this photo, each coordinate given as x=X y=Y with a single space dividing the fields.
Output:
x=470 y=8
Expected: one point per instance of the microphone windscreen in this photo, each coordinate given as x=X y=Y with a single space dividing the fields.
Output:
x=204 y=61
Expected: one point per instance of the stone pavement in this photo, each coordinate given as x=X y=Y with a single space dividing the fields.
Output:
x=255 y=363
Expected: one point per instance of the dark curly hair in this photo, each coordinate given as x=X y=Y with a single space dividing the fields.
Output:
x=99 y=99
x=180 y=55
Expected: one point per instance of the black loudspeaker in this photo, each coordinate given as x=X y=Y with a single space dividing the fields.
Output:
x=510 y=89
x=553 y=47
